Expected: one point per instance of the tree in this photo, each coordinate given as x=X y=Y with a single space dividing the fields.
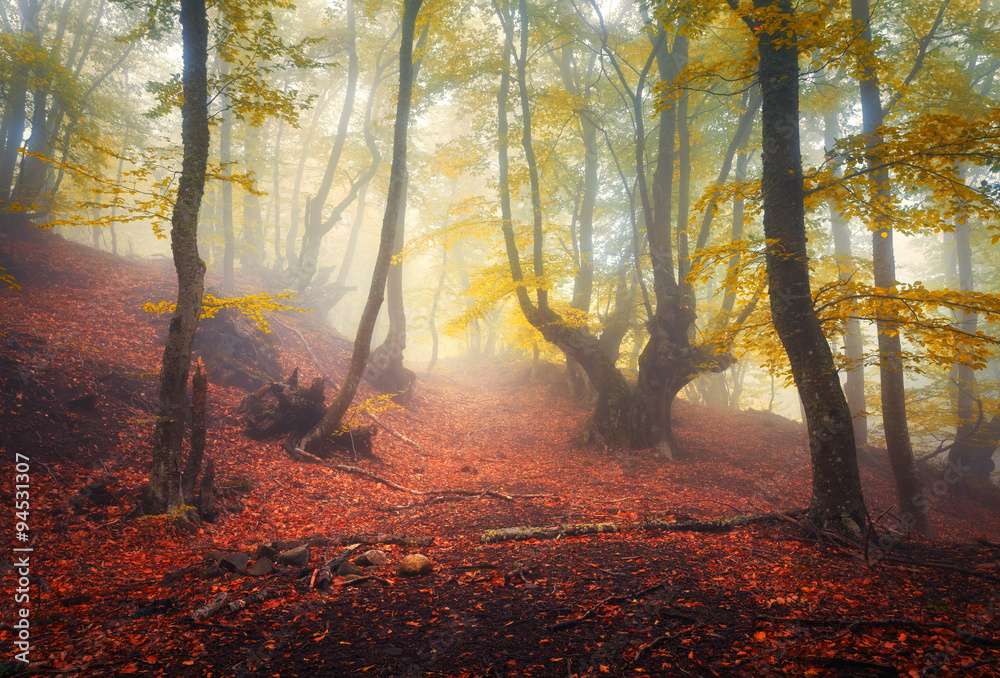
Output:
x=837 y=500
x=397 y=179
x=163 y=493
x=909 y=487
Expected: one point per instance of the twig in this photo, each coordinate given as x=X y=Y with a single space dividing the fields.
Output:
x=319 y=366
x=567 y=623
x=395 y=434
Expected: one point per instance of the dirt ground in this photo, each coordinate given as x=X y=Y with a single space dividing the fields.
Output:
x=109 y=594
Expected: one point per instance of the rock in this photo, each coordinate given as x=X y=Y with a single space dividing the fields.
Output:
x=372 y=557
x=296 y=557
x=260 y=567
x=235 y=562
x=211 y=571
x=213 y=555
x=415 y=565
x=348 y=568
x=286 y=544
x=266 y=551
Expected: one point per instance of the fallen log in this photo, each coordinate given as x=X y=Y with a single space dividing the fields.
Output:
x=211 y=608
x=688 y=525
x=719 y=524
x=258 y=597
x=555 y=532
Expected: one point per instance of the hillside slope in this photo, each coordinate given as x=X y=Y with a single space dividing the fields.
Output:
x=78 y=358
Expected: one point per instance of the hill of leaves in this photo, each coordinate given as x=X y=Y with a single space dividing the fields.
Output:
x=112 y=593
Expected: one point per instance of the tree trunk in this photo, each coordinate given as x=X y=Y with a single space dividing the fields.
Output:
x=837 y=499
x=854 y=385
x=385 y=365
x=199 y=399
x=397 y=176
x=316 y=226
x=225 y=157
x=279 y=263
x=376 y=160
x=432 y=320
x=909 y=488
x=293 y=218
x=163 y=493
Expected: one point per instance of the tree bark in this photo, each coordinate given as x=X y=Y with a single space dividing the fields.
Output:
x=163 y=493
x=854 y=384
x=316 y=226
x=397 y=177
x=293 y=219
x=909 y=488
x=837 y=500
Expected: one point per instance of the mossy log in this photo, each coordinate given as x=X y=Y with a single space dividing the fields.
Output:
x=687 y=525
x=555 y=532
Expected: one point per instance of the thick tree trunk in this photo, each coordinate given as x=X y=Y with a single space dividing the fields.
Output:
x=837 y=499
x=397 y=177
x=909 y=488
x=163 y=493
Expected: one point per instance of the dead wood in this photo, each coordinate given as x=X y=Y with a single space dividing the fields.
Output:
x=523 y=533
x=853 y=625
x=361 y=580
x=258 y=597
x=555 y=532
x=282 y=407
x=211 y=608
x=568 y=623
x=944 y=566
x=398 y=435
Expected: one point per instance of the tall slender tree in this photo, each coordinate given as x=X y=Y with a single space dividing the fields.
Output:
x=163 y=493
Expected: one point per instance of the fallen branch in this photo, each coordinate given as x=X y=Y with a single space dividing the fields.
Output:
x=258 y=597
x=573 y=529
x=943 y=566
x=423 y=493
x=316 y=362
x=361 y=580
x=888 y=623
x=555 y=532
x=567 y=623
x=398 y=435
x=210 y=609
x=719 y=524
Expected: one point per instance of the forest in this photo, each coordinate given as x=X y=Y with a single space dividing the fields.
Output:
x=508 y=338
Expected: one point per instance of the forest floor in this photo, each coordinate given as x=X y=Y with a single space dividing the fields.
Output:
x=109 y=594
